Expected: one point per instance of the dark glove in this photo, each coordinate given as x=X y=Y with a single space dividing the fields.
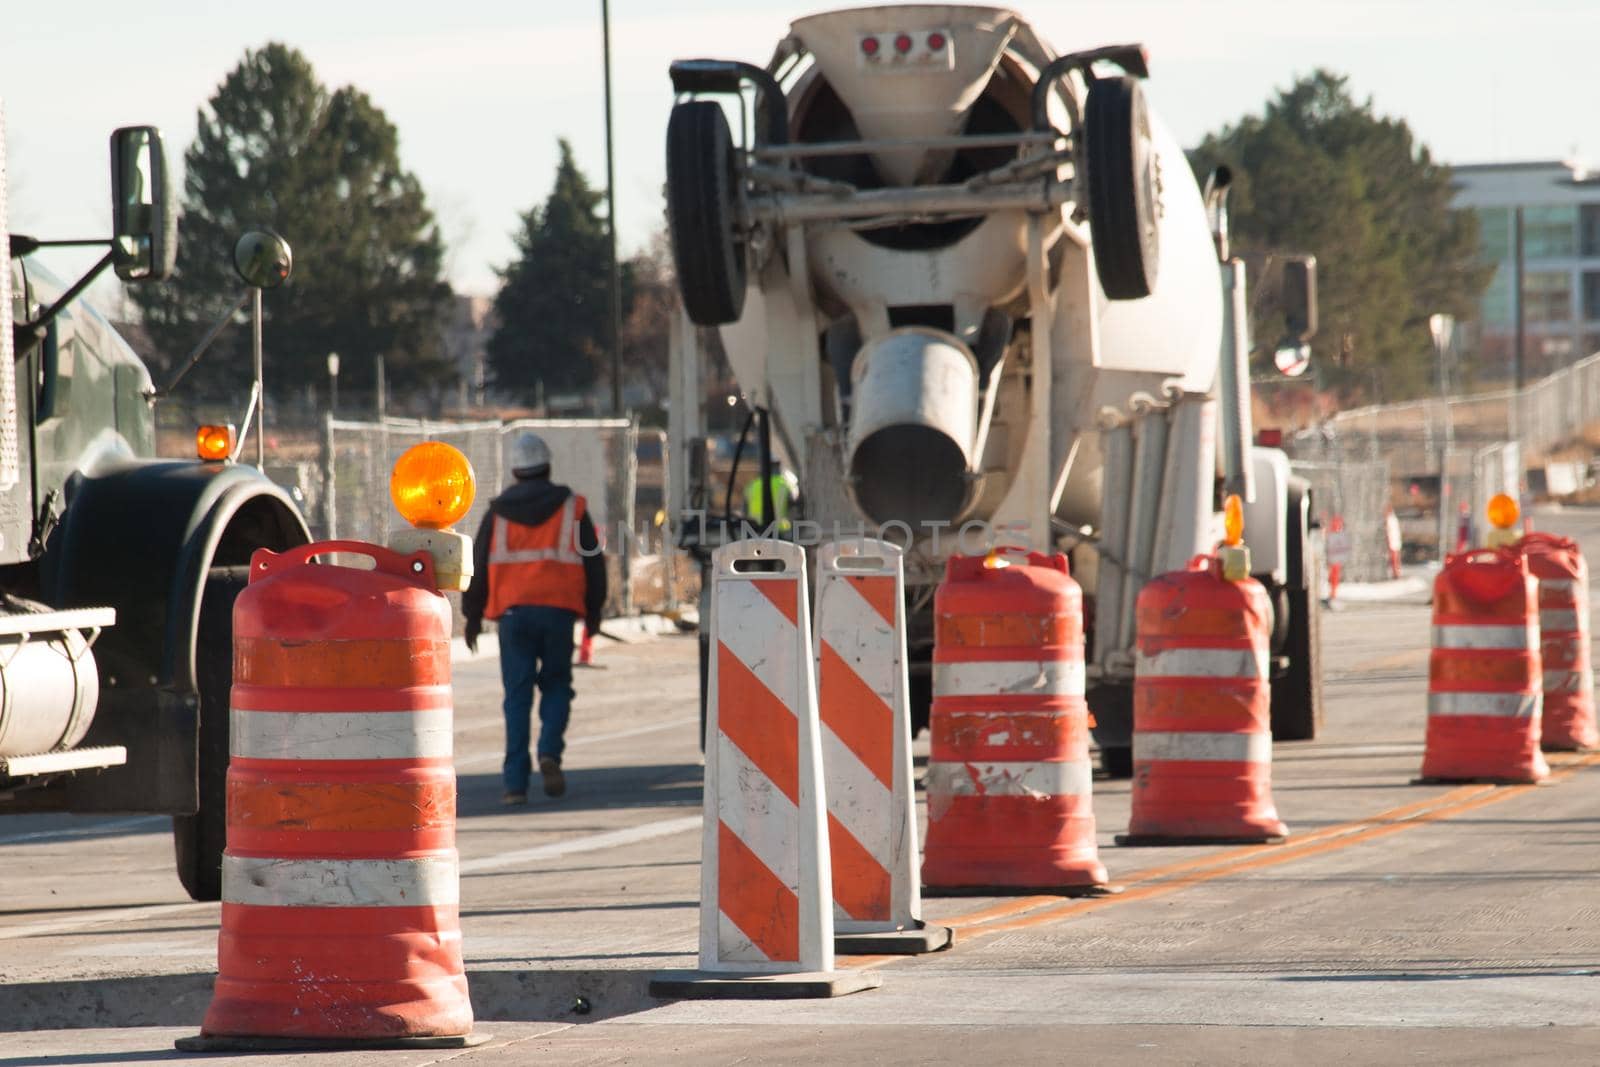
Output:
x=474 y=628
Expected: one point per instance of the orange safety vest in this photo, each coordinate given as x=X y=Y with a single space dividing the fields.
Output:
x=537 y=565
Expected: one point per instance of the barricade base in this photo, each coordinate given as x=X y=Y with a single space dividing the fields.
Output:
x=1478 y=780
x=912 y=941
x=1160 y=840
x=725 y=985
x=203 y=1043
x=1096 y=889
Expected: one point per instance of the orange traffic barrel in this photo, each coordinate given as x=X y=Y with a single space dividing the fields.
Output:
x=1202 y=712
x=340 y=883
x=1569 y=718
x=1008 y=782
x=1485 y=683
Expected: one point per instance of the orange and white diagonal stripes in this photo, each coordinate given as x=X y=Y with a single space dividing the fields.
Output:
x=861 y=700
x=759 y=805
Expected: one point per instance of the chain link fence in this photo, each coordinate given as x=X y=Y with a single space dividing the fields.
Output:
x=618 y=468
x=1437 y=462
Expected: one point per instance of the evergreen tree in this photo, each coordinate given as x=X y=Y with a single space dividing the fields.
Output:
x=278 y=151
x=1320 y=173
x=553 y=306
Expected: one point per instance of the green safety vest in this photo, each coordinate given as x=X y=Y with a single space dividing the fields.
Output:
x=780 y=500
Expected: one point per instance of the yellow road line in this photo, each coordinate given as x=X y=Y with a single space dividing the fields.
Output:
x=1170 y=878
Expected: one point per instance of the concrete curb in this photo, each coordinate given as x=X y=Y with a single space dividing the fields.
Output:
x=182 y=999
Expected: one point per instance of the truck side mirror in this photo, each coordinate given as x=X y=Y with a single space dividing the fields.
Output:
x=1300 y=298
x=143 y=210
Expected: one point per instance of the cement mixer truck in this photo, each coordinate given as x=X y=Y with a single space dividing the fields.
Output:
x=973 y=295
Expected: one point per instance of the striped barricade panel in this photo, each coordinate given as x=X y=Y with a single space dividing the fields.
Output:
x=764 y=868
x=866 y=735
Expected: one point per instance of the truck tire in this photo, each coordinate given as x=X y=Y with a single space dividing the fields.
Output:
x=1297 y=693
x=1124 y=213
x=919 y=700
x=200 y=838
x=1112 y=707
x=705 y=684
x=702 y=195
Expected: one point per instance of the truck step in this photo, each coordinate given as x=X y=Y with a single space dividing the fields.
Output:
x=78 y=759
x=15 y=622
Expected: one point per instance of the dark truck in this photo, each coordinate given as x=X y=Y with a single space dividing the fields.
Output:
x=117 y=570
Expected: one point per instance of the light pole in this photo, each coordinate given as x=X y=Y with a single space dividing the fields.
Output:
x=615 y=324
x=1441 y=327
x=333 y=384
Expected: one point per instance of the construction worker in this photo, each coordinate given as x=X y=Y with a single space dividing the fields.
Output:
x=785 y=494
x=1391 y=538
x=538 y=570
x=1338 y=545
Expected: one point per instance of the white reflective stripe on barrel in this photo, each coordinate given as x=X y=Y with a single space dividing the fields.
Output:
x=1010 y=678
x=1203 y=663
x=1558 y=621
x=1558 y=585
x=286 y=883
x=1502 y=638
x=1010 y=779
x=340 y=735
x=1203 y=747
x=1503 y=705
x=1563 y=681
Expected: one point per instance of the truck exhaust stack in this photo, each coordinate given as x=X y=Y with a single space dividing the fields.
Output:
x=912 y=427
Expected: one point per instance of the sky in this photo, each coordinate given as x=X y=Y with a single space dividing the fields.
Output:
x=481 y=90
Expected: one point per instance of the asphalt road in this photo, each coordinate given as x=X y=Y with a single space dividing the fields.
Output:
x=1399 y=924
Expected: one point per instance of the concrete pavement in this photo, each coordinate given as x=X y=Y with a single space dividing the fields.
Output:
x=1399 y=923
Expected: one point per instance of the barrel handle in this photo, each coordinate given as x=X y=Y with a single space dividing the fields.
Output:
x=417 y=567
x=1028 y=557
x=1487 y=555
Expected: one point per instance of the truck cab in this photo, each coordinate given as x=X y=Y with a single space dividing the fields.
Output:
x=117 y=569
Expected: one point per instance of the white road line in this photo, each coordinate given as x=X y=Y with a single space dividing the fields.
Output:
x=488 y=759
x=81 y=831
x=99 y=918
x=588 y=843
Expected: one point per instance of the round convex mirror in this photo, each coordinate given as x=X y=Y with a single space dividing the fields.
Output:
x=263 y=259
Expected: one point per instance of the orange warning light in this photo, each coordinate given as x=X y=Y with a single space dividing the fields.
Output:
x=1503 y=511
x=214 y=442
x=1233 y=520
x=432 y=485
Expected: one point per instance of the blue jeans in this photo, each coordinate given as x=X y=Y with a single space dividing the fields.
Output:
x=535 y=648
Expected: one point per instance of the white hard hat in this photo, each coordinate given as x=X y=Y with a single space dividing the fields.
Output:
x=528 y=453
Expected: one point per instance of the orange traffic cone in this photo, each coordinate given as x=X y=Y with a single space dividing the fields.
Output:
x=1485 y=683
x=340 y=891
x=1568 y=721
x=1008 y=780
x=1202 y=730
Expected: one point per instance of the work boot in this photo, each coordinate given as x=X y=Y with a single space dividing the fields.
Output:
x=555 y=783
x=513 y=799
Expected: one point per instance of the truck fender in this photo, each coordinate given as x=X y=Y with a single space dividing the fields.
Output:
x=141 y=537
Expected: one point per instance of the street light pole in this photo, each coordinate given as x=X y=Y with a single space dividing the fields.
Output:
x=333 y=384
x=615 y=324
x=1441 y=327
